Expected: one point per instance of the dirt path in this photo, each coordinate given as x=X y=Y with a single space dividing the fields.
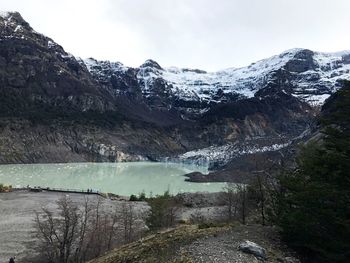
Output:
x=223 y=247
x=190 y=244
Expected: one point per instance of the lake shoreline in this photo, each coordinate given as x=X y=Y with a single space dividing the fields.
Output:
x=151 y=178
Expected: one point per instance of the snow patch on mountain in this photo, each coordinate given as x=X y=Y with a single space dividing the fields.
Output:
x=189 y=85
x=330 y=69
x=5 y=14
x=244 y=81
x=8 y=19
x=14 y=26
x=221 y=155
x=100 y=66
x=314 y=84
x=146 y=76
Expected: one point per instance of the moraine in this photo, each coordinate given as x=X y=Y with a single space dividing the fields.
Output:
x=119 y=178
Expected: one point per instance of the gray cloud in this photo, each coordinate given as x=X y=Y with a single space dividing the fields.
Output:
x=188 y=33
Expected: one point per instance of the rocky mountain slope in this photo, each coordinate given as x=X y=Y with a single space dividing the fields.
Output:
x=58 y=108
x=35 y=71
x=310 y=76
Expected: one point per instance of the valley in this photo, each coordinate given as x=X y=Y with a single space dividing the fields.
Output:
x=104 y=162
x=58 y=108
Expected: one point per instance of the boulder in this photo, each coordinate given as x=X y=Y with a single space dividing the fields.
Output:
x=252 y=248
x=289 y=260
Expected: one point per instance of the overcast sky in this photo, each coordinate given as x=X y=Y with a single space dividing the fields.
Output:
x=206 y=34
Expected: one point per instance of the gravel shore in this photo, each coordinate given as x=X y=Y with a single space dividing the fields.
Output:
x=17 y=212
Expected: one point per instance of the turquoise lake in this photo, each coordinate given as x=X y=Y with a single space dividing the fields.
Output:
x=119 y=178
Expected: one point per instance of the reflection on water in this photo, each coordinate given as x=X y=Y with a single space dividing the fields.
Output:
x=120 y=178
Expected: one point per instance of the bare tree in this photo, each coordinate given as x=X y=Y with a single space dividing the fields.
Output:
x=243 y=201
x=58 y=234
x=264 y=186
x=236 y=199
x=171 y=213
x=84 y=221
x=259 y=189
x=77 y=234
x=231 y=199
x=127 y=218
x=94 y=244
x=112 y=229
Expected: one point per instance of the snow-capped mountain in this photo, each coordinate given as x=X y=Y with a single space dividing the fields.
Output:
x=302 y=74
x=88 y=110
x=310 y=76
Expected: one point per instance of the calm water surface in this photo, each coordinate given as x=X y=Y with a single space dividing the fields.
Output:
x=120 y=178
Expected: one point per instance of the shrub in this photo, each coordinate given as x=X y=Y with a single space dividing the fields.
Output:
x=5 y=188
x=141 y=197
x=163 y=211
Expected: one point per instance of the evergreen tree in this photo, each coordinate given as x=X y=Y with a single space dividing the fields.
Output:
x=314 y=203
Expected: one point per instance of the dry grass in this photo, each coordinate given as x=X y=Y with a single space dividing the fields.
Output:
x=160 y=247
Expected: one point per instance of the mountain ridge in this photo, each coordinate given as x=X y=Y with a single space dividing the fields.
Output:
x=58 y=108
x=311 y=76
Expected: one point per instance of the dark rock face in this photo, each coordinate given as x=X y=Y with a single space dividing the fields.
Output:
x=23 y=142
x=54 y=107
x=302 y=61
x=346 y=59
x=114 y=77
x=151 y=64
x=38 y=73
